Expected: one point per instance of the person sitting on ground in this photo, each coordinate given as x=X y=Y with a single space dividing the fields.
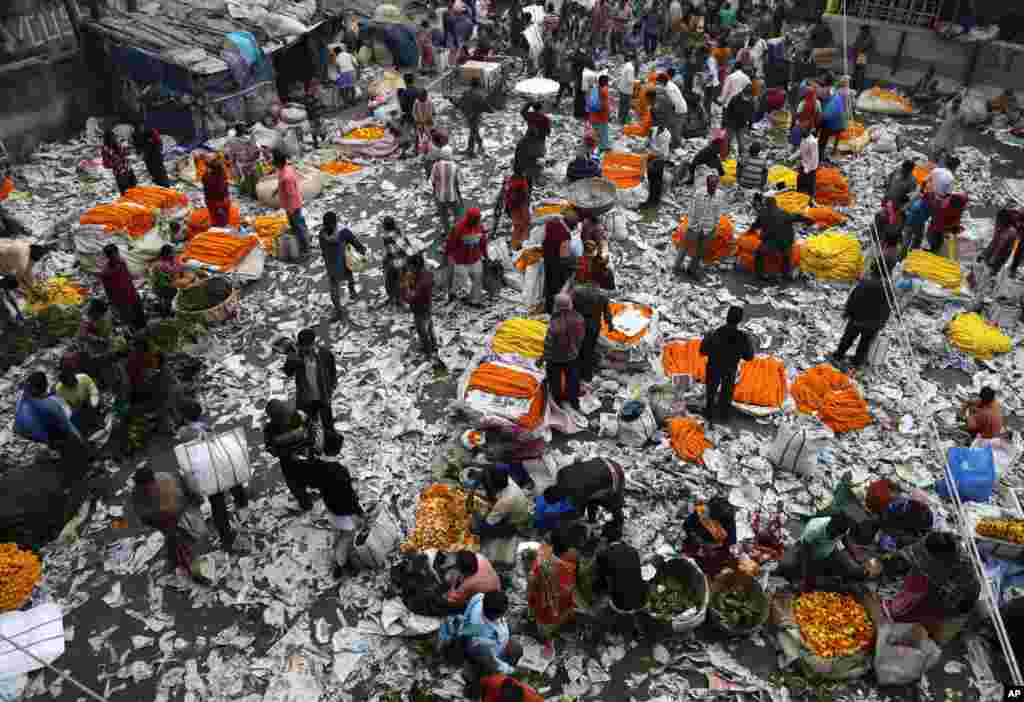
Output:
x=481 y=634
x=820 y=559
x=41 y=417
x=502 y=688
x=984 y=416
x=82 y=396
x=470 y=575
x=164 y=272
x=584 y=165
x=499 y=527
x=598 y=482
x=709 y=533
x=551 y=588
x=943 y=583
x=617 y=572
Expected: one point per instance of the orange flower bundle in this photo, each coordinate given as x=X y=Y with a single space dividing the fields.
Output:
x=502 y=381
x=442 y=520
x=720 y=246
x=845 y=410
x=155 y=197
x=529 y=257
x=19 y=573
x=135 y=220
x=922 y=172
x=625 y=170
x=269 y=228
x=340 y=168
x=833 y=625
x=762 y=382
x=687 y=438
x=618 y=308
x=366 y=134
x=812 y=387
x=684 y=358
x=824 y=217
x=199 y=220
x=221 y=250
x=831 y=187
x=747 y=246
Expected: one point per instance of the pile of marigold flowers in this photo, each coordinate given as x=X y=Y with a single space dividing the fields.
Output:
x=366 y=133
x=442 y=520
x=833 y=625
x=19 y=573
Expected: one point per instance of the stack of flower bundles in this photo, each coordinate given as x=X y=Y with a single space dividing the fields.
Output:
x=524 y=337
x=831 y=394
x=832 y=256
x=762 y=383
x=831 y=188
x=720 y=245
x=128 y=217
x=219 y=250
x=683 y=357
x=506 y=392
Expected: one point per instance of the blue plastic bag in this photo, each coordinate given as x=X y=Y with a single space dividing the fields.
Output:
x=546 y=515
x=974 y=470
x=594 y=101
x=796 y=135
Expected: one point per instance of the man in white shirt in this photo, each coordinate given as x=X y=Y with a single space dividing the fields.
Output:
x=734 y=84
x=627 y=77
x=807 y=177
x=678 y=105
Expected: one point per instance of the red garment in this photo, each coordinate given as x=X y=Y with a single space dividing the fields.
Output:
x=215 y=187
x=545 y=611
x=419 y=296
x=117 y=282
x=555 y=234
x=602 y=116
x=517 y=193
x=945 y=214
x=468 y=240
x=809 y=112
x=491 y=691
x=600 y=17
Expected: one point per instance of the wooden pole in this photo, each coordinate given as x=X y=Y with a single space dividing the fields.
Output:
x=76 y=19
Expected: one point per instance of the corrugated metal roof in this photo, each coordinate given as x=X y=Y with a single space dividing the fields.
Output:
x=190 y=37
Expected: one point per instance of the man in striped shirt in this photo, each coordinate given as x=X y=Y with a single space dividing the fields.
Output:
x=444 y=177
x=753 y=170
x=703 y=220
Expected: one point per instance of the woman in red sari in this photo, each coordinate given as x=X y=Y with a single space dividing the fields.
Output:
x=551 y=590
x=517 y=202
x=215 y=190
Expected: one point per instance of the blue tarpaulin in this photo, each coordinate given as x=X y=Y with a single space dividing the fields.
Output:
x=148 y=68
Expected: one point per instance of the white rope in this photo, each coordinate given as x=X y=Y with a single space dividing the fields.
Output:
x=966 y=533
x=61 y=674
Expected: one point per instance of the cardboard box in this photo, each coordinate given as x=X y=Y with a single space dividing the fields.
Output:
x=485 y=71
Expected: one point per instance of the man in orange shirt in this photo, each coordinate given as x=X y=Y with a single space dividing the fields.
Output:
x=600 y=118
x=502 y=688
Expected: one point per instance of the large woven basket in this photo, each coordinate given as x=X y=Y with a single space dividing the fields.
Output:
x=218 y=313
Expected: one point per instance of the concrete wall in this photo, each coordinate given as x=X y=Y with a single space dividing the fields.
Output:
x=1000 y=65
x=45 y=102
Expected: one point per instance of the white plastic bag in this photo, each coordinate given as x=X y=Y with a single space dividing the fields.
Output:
x=356 y=262
x=637 y=432
x=879 y=351
x=377 y=540
x=215 y=462
x=533 y=285
x=796 y=449
x=900 y=660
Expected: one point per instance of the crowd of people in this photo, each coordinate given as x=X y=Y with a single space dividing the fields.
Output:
x=729 y=89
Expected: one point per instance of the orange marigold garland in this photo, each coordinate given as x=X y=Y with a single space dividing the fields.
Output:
x=19 y=573
x=833 y=625
x=687 y=437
